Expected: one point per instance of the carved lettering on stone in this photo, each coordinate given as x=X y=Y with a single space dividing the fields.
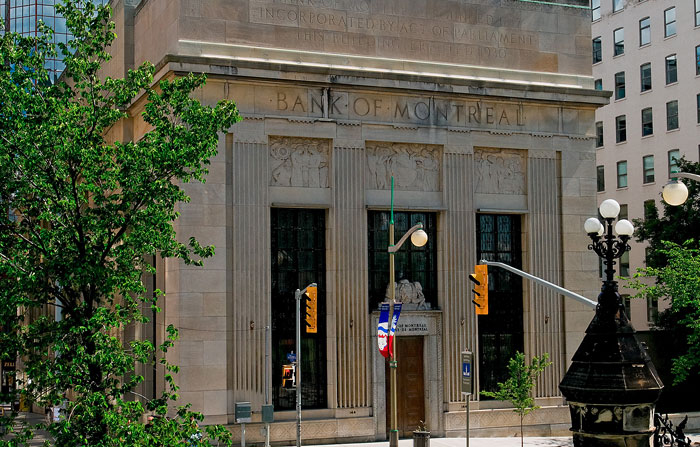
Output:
x=499 y=172
x=299 y=162
x=413 y=166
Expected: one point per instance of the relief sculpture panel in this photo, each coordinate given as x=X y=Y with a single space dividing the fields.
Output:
x=299 y=162
x=499 y=172
x=413 y=166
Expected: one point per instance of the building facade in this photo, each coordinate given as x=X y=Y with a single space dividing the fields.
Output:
x=648 y=54
x=482 y=112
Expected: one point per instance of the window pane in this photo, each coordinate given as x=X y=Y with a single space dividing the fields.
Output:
x=648 y=169
x=670 y=22
x=619 y=42
x=671 y=69
x=598 y=84
x=624 y=214
x=595 y=10
x=597 y=50
x=599 y=134
x=645 y=76
x=697 y=60
x=617 y=5
x=652 y=309
x=697 y=13
x=619 y=85
x=620 y=129
x=673 y=156
x=622 y=174
x=644 y=31
x=647 y=122
x=601 y=178
x=672 y=115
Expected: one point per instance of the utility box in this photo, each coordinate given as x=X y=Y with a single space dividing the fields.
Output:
x=242 y=412
x=268 y=413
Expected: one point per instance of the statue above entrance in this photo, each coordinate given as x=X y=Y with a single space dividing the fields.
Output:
x=410 y=294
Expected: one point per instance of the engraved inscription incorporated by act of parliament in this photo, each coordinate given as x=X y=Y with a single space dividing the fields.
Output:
x=492 y=33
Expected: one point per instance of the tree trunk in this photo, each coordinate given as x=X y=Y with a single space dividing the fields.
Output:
x=522 y=443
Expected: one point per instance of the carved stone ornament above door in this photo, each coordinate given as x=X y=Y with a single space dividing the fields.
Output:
x=414 y=166
x=299 y=162
x=498 y=171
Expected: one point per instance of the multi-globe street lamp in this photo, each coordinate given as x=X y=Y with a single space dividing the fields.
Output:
x=611 y=386
x=675 y=193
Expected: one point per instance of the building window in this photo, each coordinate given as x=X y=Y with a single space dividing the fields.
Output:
x=647 y=122
x=650 y=210
x=645 y=76
x=601 y=178
x=622 y=174
x=652 y=309
x=619 y=85
x=672 y=115
x=626 y=302
x=617 y=5
x=599 y=134
x=644 y=31
x=619 y=42
x=597 y=50
x=624 y=214
x=648 y=169
x=598 y=84
x=498 y=238
x=620 y=129
x=670 y=22
x=697 y=106
x=625 y=265
x=697 y=60
x=298 y=246
x=595 y=10
x=671 y=69
x=673 y=156
x=697 y=13
x=416 y=264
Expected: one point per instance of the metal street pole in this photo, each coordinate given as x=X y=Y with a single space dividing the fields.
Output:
x=267 y=381
x=393 y=432
x=297 y=295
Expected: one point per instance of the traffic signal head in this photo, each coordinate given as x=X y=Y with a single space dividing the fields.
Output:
x=480 y=278
x=311 y=309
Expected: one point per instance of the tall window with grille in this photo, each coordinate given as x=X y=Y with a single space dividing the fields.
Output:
x=620 y=129
x=619 y=85
x=415 y=264
x=644 y=31
x=618 y=42
x=672 y=115
x=670 y=22
x=621 y=174
x=647 y=122
x=673 y=156
x=298 y=247
x=671 y=69
x=597 y=50
x=501 y=331
x=645 y=76
x=600 y=174
x=648 y=169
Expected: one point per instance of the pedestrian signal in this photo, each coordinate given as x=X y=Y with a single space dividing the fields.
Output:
x=480 y=278
x=311 y=309
x=289 y=376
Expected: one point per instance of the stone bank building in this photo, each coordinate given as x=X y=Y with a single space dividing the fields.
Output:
x=481 y=110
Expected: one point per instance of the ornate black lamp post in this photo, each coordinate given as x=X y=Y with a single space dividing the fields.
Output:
x=611 y=386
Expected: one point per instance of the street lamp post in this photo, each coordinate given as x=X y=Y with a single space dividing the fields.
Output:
x=675 y=193
x=611 y=386
x=418 y=238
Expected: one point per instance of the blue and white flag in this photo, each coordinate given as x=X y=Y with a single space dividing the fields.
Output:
x=383 y=329
x=394 y=323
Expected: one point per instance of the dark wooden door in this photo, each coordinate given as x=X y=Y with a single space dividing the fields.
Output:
x=411 y=388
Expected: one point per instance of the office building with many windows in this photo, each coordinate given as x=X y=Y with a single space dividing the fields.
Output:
x=647 y=53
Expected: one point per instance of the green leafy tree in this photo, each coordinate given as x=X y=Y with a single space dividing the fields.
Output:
x=678 y=224
x=519 y=386
x=79 y=217
x=679 y=282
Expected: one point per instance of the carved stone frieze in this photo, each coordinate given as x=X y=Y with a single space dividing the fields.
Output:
x=299 y=162
x=413 y=166
x=499 y=172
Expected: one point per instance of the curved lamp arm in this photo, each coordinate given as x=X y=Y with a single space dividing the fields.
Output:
x=397 y=246
x=686 y=175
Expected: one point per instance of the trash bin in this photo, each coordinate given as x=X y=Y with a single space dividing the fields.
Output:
x=421 y=438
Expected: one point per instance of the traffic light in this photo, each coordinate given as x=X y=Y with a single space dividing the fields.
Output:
x=480 y=278
x=311 y=309
x=289 y=378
